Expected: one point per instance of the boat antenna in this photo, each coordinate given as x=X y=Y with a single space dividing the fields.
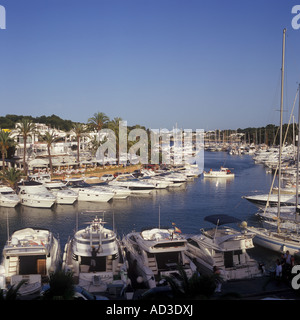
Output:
x=7 y=224
x=158 y=216
x=280 y=135
x=217 y=224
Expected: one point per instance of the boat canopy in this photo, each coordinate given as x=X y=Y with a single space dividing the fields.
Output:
x=220 y=219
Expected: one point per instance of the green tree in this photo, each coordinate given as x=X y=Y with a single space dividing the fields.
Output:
x=25 y=128
x=98 y=121
x=195 y=287
x=114 y=126
x=5 y=143
x=12 y=292
x=61 y=286
x=11 y=177
x=49 y=138
x=79 y=130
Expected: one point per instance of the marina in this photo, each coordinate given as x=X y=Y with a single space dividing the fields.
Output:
x=185 y=207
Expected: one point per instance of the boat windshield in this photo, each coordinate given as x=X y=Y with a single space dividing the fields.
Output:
x=78 y=184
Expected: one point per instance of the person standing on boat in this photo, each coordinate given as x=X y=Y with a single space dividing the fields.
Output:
x=93 y=259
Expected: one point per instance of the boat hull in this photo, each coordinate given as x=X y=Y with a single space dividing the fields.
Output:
x=37 y=203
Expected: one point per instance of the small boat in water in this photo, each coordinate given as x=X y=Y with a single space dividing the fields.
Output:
x=64 y=195
x=86 y=192
x=155 y=253
x=222 y=173
x=94 y=256
x=262 y=200
x=133 y=184
x=8 y=197
x=35 y=194
x=30 y=255
x=225 y=248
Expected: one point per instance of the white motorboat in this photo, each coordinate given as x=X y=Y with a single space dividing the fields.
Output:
x=63 y=194
x=177 y=179
x=156 y=253
x=261 y=200
x=40 y=177
x=225 y=248
x=8 y=197
x=222 y=173
x=119 y=192
x=35 y=194
x=31 y=255
x=95 y=257
x=86 y=192
x=133 y=184
x=157 y=182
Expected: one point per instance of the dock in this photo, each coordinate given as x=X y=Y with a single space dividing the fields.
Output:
x=265 y=287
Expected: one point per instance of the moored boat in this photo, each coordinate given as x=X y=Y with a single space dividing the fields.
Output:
x=156 y=253
x=225 y=248
x=8 y=197
x=94 y=256
x=35 y=194
x=222 y=173
x=30 y=255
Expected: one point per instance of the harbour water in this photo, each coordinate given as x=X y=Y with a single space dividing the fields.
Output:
x=185 y=206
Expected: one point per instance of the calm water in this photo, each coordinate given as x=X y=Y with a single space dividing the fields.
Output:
x=185 y=206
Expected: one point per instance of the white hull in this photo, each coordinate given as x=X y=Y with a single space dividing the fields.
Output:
x=31 y=201
x=9 y=203
x=222 y=173
x=8 y=197
x=275 y=242
x=65 y=200
x=94 y=197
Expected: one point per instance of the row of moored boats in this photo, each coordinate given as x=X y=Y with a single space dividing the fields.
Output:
x=42 y=192
x=101 y=263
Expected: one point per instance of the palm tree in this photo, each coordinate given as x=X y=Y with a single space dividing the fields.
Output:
x=11 y=177
x=195 y=287
x=5 y=143
x=12 y=292
x=114 y=126
x=79 y=129
x=61 y=286
x=49 y=138
x=26 y=128
x=98 y=120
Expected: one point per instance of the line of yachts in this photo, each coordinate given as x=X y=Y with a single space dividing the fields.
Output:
x=102 y=263
x=41 y=192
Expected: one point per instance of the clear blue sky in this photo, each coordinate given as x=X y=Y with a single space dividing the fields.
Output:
x=198 y=63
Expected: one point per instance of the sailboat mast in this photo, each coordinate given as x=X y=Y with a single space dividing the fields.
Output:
x=280 y=135
x=298 y=158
